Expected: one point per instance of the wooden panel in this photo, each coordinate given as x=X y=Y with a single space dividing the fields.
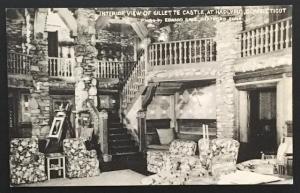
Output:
x=268 y=73
x=194 y=126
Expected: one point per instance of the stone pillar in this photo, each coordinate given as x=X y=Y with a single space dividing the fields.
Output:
x=40 y=99
x=103 y=116
x=228 y=50
x=141 y=119
x=85 y=53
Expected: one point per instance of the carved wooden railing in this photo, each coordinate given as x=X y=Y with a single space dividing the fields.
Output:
x=133 y=85
x=18 y=63
x=182 y=52
x=114 y=69
x=61 y=67
x=267 y=38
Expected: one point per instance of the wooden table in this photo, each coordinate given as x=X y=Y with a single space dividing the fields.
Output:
x=238 y=180
x=55 y=162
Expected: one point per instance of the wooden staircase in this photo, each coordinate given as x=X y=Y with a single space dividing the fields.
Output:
x=119 y=140
x=134 y=86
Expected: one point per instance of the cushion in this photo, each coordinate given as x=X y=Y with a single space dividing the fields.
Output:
x=183 y=147
x=166 y=136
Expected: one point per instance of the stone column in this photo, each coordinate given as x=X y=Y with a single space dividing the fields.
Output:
x=141 y=119
x=40 y=99
x=86 y=53
x=228 y=50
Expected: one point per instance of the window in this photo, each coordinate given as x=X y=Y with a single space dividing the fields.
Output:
x=25 y=111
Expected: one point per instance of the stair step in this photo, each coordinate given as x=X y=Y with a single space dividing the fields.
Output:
x=119 y=136
x=125 y=153
x=124 y=150
x=116 y=130
x=123 y=146
x=121 y=142
x=116 y=125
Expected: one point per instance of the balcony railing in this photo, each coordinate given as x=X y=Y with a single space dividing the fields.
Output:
x=182 y=52
x=267 y=38
x=115 y=69
x=61 y=67
x=18 y=63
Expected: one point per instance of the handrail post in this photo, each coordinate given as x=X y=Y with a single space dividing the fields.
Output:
x=141 y=118
x=103 y=116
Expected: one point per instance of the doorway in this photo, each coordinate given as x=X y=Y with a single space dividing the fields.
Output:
x=262 y=121
x=53 y=44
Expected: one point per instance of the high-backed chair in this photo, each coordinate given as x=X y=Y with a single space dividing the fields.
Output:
x=27 y=164
x=214 y=153
x=79 y=161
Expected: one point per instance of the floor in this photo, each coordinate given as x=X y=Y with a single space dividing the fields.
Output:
x=112 y=178
x=136 y=162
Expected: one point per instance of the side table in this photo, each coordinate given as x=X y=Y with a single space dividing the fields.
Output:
x=55 y=162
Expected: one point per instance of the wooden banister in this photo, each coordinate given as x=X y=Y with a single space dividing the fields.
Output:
x=267 y=38
x=182 y=52
x=19 y=63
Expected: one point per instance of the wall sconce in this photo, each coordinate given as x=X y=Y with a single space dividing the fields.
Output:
x=79 y=59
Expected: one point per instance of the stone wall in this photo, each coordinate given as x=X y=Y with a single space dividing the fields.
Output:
x=253 y=20
x=228 y=49
x=19 y=82
x=192 y=30
x=115 y=45
x=14 y=25
x=40 y=99
x=86 y=83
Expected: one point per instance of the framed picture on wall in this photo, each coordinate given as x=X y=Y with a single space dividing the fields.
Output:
x=56 y=127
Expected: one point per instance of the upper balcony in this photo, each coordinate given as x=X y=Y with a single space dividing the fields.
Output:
x=266 y=46
x=182 y=54
x=64 y=68
x=19 y=64
x=267 y=38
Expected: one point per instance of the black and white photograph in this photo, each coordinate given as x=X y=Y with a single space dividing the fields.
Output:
x=147 y=96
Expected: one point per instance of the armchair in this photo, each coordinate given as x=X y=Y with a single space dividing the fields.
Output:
x=169 y=159
x=27 y=164
x=218 y=155
x=79 y=161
